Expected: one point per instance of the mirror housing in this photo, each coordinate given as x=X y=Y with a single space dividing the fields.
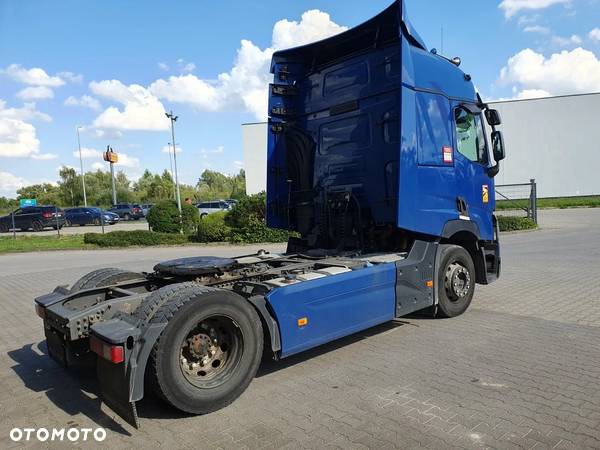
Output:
x=498 y=146
x=493 y=117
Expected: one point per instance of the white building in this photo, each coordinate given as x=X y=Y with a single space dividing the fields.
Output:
x=555 y=140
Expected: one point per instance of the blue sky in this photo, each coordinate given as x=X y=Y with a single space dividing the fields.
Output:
x=114 y=67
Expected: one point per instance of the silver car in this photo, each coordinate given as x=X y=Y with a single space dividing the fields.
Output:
x=206 y=208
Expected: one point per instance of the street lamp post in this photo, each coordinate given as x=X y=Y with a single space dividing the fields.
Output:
x=172 y=174
x=173 y=119
x=81 y=166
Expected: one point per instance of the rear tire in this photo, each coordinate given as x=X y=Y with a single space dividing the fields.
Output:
x=455 y=280
x=97 y=222
x=37 y=226
x=126 y=216
x=209 y=351
x=104 y=277
x=68 y=223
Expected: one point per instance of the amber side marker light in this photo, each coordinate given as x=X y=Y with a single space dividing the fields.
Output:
x=303 y=321
x=429 y=283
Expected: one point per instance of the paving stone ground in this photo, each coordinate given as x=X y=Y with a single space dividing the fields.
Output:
x=520 y=369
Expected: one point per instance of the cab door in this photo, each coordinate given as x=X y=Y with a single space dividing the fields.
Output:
x=474 y=187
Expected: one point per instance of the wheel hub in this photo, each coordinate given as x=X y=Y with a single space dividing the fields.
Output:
x=457 y=281
x=205 y=351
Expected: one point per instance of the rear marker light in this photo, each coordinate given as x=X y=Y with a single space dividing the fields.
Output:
x=112 y=353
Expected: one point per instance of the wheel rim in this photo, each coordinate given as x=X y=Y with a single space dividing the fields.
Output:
x=68 y=223
x=96 y=221
x=211 y=351
x=457 y=281
x=37 y=226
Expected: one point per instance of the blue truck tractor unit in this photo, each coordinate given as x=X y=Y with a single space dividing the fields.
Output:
x=379 y=160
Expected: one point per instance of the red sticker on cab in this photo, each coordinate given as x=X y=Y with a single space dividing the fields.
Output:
x=448 y=155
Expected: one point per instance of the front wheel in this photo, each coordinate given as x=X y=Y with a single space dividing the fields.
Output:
x=209 y=352
x=3 y=228
x=455 y=280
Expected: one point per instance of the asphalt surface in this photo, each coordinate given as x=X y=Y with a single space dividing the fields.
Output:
x=520 y=369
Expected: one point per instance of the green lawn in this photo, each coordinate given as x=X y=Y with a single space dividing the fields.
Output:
x=591 y=201
x=36 y=243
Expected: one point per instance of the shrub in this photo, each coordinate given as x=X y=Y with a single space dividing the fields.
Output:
x=137 y=237
x=164 y=218
x=247 y=222
x=212 y=228
x=514 y=223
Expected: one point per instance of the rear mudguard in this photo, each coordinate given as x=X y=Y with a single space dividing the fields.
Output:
x=122 y=384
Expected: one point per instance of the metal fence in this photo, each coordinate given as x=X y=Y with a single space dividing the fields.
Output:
x=21 y=221
x=517 y=199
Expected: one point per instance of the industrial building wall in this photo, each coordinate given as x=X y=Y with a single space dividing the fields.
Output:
x=554 y=140
x=254 y=136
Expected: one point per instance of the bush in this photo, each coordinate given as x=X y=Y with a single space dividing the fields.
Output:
x=164 y=218
x=514 y=223
x=247 y=222
x=212 y=228
x=131 y=238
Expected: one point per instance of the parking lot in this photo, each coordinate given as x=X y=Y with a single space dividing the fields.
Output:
x=76 y=229
x=519 y=370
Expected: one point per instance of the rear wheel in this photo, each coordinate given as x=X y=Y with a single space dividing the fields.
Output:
x=126 y=216
x=97 y=221
x=209 y=351
x=456 y=280
x=37 y=226
x=104 y=277
x=68 y=223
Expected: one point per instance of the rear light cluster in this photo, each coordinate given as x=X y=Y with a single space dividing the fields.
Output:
x=136 y=210
x=110 y=352
x=47 y=215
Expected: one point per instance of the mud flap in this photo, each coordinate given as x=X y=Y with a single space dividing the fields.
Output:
x=122 y=384
x=115 y=386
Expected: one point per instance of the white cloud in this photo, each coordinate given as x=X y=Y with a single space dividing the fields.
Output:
x=71 y=77
x=9 y=183
x=100 y=166
x=245 y=85
x=214 y=151
x=128 y=161
x=512 y=7
x=532 y=93
x=107 y=134
x=35 y=93
x=238 y=164
x=125 y=160
x=164 y=66
x=87 y=153
x=18 y=137
x=85 y=101
x=141 y=110
x=567 y=41
x=167 y=149
x=535 y=74
x=594 y=35
x=536 y=29
x=34 y=76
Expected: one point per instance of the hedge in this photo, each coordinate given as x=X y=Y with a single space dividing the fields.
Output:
x=247 y=222
x=131 y=238
x=212 y=228
x=514 y=223
x=164 y=218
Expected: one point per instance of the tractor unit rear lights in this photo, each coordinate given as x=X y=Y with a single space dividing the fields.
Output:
x=112 y=353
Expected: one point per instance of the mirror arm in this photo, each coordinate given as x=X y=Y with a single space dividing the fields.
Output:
x=493 y=171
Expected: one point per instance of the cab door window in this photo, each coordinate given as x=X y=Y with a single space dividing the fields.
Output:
x=470 y=137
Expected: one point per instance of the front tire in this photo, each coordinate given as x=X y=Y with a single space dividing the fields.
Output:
x=210 y=350
x=455 y=280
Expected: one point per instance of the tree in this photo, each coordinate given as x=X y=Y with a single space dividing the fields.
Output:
x=214 y=185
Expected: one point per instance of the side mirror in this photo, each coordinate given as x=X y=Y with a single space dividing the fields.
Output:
x=493 y=117
x=498 y=146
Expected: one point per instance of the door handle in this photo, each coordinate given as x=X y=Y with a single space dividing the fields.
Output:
x=462 y=207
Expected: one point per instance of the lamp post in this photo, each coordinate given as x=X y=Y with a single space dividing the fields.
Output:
x=172 y=174
x=81 y=166
x=173 y=119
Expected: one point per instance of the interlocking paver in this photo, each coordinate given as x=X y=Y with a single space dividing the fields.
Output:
x=519 y=370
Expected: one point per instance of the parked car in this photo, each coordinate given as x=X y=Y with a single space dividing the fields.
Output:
x=89 y=216
x=127 y=211
x=146 y=207
x=206 y=208
x=232 y=202
x=34 y=217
